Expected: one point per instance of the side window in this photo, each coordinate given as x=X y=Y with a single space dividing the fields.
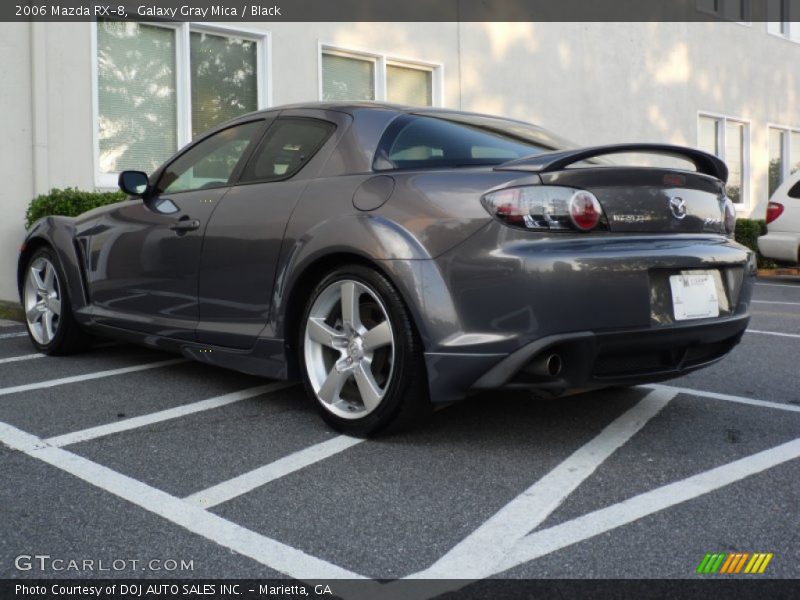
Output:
x=289 y=144
x=209 y=163
x=794 y=191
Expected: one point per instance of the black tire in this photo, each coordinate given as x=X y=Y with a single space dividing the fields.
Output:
x=69 y=337
x=406 y=400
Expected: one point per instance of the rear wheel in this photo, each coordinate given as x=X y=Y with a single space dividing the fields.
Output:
x=48 y=313
x=360 y=355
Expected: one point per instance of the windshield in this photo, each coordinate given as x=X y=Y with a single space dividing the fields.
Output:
x=456 y=140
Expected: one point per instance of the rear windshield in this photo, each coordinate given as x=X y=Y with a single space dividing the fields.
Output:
x=445 y=140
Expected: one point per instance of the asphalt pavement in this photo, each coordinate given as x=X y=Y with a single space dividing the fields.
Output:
x=133 y=455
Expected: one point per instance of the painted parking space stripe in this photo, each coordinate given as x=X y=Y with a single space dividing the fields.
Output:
x=267 y=551
x=8 y=336
x=164 y=415
x=233 y=488
x=786 y=285
x=11 y=359
x=774 y=302
x=725 y=397
x=478 y=555
x=789 y=335
x=88 y=376
x=546 y=541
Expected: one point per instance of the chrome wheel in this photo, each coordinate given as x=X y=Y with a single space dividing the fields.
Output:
x=42 y=296
x=349 y=349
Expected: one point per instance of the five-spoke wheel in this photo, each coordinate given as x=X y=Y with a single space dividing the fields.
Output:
x=48 y=311
x=42 y=296
x=360 y=356
x=349 y=349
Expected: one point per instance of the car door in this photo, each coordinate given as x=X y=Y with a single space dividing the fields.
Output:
x=243 y=239
x=144 y=255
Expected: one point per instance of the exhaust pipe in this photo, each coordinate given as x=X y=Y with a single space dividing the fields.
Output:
x=548 y=365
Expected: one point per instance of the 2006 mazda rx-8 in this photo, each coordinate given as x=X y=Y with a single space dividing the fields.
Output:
x=395 y=258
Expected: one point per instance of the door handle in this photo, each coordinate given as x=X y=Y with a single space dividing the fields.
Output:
x=185 y=224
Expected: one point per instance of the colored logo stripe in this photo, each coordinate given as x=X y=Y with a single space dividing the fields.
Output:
x=734 y=562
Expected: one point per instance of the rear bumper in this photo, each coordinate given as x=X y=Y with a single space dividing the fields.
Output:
x=780 y=245
x=591 y=359
x=602 y=302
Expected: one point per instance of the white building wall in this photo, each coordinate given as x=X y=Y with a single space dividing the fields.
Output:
x=592 y=82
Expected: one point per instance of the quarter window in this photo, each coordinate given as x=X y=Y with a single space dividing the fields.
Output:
x=209 y=163
x=287 y=148
x=728 y=139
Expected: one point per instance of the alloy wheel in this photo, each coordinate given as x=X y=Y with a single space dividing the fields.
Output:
x=42 y=294
x=349 y=349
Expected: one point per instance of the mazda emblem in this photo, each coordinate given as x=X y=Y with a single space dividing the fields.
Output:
x=677 y=207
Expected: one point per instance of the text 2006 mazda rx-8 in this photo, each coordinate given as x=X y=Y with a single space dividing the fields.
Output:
x=394 y=258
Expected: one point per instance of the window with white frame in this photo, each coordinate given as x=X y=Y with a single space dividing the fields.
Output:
x=357 y=75
x=159 y=86
x=779 y=20
x=784 y=155
x=731 y=10
x=728 y=139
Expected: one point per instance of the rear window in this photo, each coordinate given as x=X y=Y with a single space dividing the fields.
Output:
x=794 y=191
x=443 y=140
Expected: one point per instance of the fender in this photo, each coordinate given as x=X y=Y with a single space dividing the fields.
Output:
x=60 y=234
x=379 y=240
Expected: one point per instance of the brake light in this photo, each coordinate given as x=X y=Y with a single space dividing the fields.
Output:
x=774 y=210
x=584 y=210
x=544 y=208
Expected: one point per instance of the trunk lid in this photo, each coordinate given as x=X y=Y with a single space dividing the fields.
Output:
x=650 y=200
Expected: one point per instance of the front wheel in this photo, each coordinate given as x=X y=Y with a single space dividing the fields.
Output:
x=360 y=355
x=48 y=313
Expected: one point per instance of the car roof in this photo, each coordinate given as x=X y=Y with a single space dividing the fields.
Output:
x=352 y=107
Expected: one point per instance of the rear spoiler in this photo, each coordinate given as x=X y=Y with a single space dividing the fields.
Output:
x=704 y=162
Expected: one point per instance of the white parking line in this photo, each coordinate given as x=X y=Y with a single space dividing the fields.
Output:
x=478 y=555
x=232 y=488
x=796 y=287
x=271 y=553
x=791 y=335
x=577 y=530
x=11 y=359
x=725 y=397
x=774 y=302
x=87 y=376
x=18 y=334
x=164 y=415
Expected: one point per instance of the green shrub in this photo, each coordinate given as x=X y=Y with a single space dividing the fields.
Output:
x=69 y=202
x=747 y=233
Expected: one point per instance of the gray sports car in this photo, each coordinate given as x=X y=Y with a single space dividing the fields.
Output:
x=394 y=258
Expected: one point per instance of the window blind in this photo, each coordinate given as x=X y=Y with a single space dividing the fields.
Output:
x=408 y=86
x=224 y=79
x=345 y=78
x=138 y=122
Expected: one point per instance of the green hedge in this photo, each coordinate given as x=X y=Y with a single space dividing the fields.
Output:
x=747 y=233
x=69 y=202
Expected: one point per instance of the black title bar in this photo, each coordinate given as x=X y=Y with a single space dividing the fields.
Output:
x=402 y=10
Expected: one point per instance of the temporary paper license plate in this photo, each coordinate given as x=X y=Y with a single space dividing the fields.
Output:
x=694 y=295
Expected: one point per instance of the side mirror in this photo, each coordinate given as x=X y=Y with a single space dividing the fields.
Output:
x=134 y=183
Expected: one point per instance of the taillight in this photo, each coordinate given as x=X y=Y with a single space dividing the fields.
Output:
x=544 y=207
x=774 y=210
